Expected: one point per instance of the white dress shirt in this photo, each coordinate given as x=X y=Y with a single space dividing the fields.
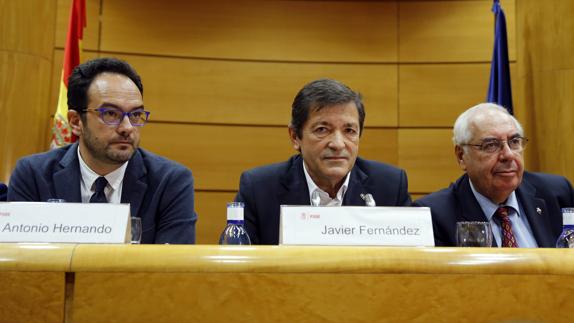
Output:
x=326 y=200
x=88 y=178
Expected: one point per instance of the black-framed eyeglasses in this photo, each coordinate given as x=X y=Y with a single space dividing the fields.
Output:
x=491 y=146
x=113 y=116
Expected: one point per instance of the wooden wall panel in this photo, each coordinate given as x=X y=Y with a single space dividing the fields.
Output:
x=428 y=157
x=24 y=96
x=208 y=65
x=380 y=145
x=25 y=65
x=19 y=23
x=450 y=31
x=434 y=95
x=245 y=92
x=218 y=154
x=316 y=31
x=92 y=30
x=546 y=69
x=551 y=132
x=211 y=208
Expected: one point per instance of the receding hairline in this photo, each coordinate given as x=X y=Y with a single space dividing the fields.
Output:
x=468 y=121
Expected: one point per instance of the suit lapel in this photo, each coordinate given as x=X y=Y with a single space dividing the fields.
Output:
x=67 y=178
x=356 y=187
x=134 y=185
x=470 y=208
x=294 y=185
x=537 y=214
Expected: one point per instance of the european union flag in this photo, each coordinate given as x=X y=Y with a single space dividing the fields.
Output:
x=499 y=89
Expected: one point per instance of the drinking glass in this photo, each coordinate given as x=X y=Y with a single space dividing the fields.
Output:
x=136 y=230
x=56 y=201
x=473 y=234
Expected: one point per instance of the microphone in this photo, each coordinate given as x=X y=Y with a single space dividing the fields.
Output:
x=315 y=198
x=369 y=200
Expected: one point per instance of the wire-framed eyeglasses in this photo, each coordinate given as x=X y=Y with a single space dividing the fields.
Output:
x=492 y=146
x=114 y=116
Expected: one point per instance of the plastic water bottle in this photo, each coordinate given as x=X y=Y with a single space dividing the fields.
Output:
x=566 y=239
x=234 y=233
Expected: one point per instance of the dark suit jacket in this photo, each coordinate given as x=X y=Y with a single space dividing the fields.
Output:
x=3 y=190
x=159 y=191
x=537 y=192
x=264 y=189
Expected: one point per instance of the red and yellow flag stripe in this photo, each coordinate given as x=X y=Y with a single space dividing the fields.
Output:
x=61 y=132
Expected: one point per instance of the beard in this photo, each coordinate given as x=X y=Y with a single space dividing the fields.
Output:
x=105 y=151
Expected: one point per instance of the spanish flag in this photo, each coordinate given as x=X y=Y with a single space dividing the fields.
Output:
x=61 y=132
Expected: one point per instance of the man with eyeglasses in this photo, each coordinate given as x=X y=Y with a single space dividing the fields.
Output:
x=523 y=208
x=106 y=113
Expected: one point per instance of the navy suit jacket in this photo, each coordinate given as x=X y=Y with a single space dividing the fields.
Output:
x=159 y=191
x=264 y=189
x=3 y=190
x=541 y=195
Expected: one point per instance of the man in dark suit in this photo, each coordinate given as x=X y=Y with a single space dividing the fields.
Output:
x=3 y=190
x=106 y=111
x=327 y=120
x=523 y=208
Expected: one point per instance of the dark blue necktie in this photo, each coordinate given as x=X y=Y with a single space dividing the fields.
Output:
x=99 y=196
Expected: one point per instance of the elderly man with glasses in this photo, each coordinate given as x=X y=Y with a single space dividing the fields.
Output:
x=106 y=112
x=523 y=208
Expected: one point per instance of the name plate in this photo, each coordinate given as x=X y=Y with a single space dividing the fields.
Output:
x=64 y=222
x=355 y=225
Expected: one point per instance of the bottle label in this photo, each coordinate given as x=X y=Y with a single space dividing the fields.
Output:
x=568 y=216
x=234 y=214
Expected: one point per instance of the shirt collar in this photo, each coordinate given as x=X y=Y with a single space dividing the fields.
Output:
x=89 y=177
x=488 y=207
x=325 y=198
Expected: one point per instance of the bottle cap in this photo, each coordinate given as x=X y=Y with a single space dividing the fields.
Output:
x=235 y=211
x=568 y=216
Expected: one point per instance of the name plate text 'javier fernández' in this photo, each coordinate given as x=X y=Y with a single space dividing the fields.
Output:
x=64 y=222
x=356 y=225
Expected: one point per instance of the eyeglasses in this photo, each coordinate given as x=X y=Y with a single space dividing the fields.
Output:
x=113 y=116
x=491 y=146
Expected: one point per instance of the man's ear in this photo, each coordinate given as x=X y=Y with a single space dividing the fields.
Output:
x=294 y=139
x=75 y=122
x=459 y=153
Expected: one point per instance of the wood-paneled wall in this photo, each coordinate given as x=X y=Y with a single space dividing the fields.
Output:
x=220 y=77
x=25 y=74
x=546 y=82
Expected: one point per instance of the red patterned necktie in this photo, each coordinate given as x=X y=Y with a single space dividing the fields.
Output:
x=508 y=239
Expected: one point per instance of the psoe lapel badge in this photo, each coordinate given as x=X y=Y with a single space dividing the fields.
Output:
x=539 y=211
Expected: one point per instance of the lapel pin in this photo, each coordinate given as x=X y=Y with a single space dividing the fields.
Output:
x=539 y=211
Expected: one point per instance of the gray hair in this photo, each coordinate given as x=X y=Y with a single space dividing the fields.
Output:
x=461 y=130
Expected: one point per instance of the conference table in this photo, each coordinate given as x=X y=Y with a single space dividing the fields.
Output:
x=210 y=283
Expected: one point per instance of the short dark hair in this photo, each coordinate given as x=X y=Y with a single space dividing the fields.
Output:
x=84 y=74
x=319 y=94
